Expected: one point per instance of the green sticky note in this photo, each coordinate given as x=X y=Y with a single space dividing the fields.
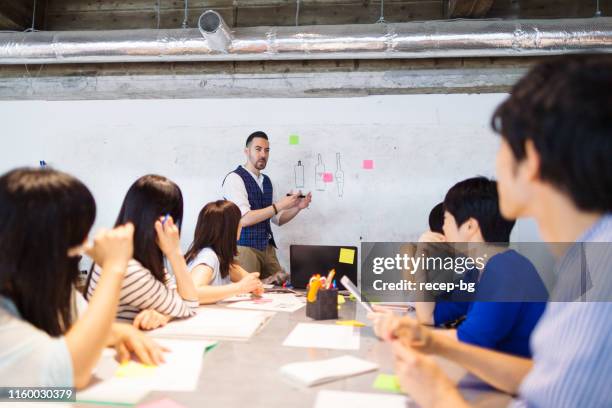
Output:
x=387 y=382
x=347 y=256
x=294 y=139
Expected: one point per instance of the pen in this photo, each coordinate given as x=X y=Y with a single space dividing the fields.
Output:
x=300 y=196
x=165 y=218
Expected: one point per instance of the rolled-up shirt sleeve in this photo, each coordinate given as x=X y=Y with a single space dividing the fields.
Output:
x=235 y=191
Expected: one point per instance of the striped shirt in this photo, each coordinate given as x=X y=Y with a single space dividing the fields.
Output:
x=141 y=291
x=572 y=344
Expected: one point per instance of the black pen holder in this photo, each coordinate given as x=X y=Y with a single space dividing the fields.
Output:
x=325 y=306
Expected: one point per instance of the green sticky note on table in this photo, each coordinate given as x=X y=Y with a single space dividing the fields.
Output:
x=387 y=382
x=294 y=139
x=347 y=256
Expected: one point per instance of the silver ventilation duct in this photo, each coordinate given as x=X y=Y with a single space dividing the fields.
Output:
x=214 y=42
x=217 y=34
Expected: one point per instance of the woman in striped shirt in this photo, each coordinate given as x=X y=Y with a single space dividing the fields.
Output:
x=150 y=296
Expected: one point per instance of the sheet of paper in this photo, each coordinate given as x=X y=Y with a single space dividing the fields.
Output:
x=347 y=256
x=387 y=382
x=180 y=372
x=215 y=323
x=323 y=336
x=337 y=399
x=273 y=302
x=310 y=373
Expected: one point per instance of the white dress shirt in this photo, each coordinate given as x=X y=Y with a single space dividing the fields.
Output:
x=235 y=191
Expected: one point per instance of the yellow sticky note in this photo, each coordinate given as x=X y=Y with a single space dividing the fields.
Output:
x=387 y=382
x=354 y=323
x=341 y=300
x=132 y=369
x=347 y=256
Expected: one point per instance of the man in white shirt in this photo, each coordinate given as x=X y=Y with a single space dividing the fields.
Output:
x=254 y=194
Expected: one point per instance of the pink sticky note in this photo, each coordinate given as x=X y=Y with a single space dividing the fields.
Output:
x=328 y=177
x=368 y=164
x=162 y=403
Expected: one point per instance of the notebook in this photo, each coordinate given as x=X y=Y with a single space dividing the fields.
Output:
x=309 y=373
x=215 y=323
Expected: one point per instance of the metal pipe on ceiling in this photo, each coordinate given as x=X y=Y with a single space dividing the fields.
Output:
x=430 y=39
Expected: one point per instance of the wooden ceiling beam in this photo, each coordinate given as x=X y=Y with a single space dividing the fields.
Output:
x=469 y=8
x=15 y=14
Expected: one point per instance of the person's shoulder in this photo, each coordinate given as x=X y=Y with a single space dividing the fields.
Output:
x=209 y=253
x=135 y=268
x=206 y=255
x=232 y=177
x=11 y=325
x=510 y=257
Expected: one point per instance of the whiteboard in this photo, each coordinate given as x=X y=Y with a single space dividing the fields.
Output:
x=420 y=145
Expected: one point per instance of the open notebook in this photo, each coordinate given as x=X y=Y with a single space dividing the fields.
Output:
x=216 y=324
x=309 y=373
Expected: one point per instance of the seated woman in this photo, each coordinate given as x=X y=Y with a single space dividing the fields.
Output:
x=211 y=255
x=150 y=296
x=46 y=218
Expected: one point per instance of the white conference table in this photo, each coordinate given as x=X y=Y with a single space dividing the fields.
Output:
x=246 y=374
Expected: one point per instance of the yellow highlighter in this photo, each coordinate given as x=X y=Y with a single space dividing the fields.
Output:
x=315 y=284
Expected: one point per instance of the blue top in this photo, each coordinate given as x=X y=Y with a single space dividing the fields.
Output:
x=572 y=343
x=510 y=299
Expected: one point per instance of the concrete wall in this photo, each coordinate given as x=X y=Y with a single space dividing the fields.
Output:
x=420 y=144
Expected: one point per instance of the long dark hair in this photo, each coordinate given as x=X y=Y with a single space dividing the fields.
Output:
x=43 y=213
x=149 y=198
x=216 y=228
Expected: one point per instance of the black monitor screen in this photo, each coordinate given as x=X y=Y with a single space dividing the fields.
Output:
x=308 y=260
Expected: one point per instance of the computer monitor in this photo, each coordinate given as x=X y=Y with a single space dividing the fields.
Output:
x=308 y=260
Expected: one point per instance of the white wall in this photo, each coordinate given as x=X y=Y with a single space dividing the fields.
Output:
x=420 y=144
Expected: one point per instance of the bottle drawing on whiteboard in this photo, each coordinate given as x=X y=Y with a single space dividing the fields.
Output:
x=299 y=175
x=319 y=171
x=339 y=176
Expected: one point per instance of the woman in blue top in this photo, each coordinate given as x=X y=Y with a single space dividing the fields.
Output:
x=510 y=295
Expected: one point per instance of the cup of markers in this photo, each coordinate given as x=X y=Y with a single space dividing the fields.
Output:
x=322 y=297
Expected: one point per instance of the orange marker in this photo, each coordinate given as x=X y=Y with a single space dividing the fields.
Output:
x=314 y=288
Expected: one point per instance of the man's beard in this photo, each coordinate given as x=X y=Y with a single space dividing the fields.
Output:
x=260 y=165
